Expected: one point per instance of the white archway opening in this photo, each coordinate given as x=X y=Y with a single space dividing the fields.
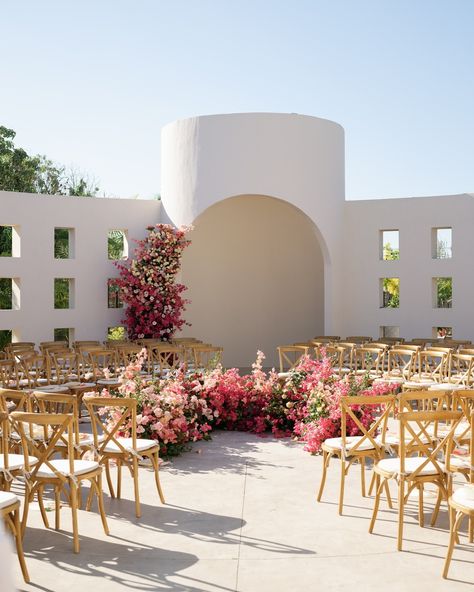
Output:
x=255 y=277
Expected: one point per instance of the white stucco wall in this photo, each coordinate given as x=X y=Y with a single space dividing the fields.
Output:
x=414 y=218
x=91 y=218
x=295 y=158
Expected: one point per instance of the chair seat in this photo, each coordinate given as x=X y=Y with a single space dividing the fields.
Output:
x=336 y=443
x=446 y=387
x=392 y=465
x=394 y=439
x=142 y=444
x=84 y=440
x=464 y=496
x=7 y=499
x=459 y=462
x=16 y=461
x=62 y=466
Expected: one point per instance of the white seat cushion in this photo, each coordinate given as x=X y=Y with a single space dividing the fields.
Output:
x=84 y=440
x=142 y=444
x=62 y=466
x=16 y=461
x=336 y=443
x=7 y=499
x=464 y=496
x=392 y=465
x=457 y=461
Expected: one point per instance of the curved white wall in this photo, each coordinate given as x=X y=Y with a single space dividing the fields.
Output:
x=295 y=158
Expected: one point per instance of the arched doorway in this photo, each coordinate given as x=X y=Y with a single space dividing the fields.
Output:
x=255 y=277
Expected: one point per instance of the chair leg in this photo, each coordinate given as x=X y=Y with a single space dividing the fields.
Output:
x=362 y=475
x=401 y=509
x=136 y=488
x=57 y=507
x=326 y=457
x=372 y=482
x=119 y=478
x=75 y=532
x=421 y=509
x=156 y=466
x=378 y=489
x=341 y=489
x=452 y=539
x=471 y=529
x=387 y=493
x=15 y=521
x=109 y=479
x=39 y=494
x=100 y=503
x=434 y=516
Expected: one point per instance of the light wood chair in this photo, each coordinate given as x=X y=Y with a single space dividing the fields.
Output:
x=414 y=472
x=369 y=360
x=125 y=451
x=60 y=473
x=207 y=358
x=290 y=356
x=402 y=363
x=9 y=502
x=351 y=449
x=461 y=504
x=461 y=369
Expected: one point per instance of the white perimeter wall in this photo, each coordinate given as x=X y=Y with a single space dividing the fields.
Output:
x=91 y=218
x=414 y=218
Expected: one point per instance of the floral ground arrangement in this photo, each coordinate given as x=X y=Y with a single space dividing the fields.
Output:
x=186 y=406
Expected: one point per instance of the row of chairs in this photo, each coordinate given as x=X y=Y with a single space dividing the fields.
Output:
x=402 y=362
x=433 y=443
x=42 y=447
x=55 y=363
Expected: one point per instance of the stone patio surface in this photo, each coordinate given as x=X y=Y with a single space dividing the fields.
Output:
x=241 y=515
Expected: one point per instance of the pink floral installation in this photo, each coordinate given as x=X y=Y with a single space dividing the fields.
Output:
x=185 y=407
x=148 y=287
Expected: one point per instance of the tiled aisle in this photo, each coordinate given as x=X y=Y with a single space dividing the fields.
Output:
x=241 y=515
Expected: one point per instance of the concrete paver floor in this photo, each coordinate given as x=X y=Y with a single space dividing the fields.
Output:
x=241 y=516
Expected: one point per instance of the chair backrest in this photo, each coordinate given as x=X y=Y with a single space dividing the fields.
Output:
x=127 y=353
x=8 y=373
x=334 y=353
x=407 y=346
x=383 y=406
x=55 y=428
x=416 y=429
x=102 y=359
x=420 y=400
x=402 y=362
x=433 y=364
x=208 y=357
x=290 y=356
x=461 y=369
x=359 y=338
x=369 y=359
x=65 y=365
x=20 y=399
x=326 y=338
x=111 y=419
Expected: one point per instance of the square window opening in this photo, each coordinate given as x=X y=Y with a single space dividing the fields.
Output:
x=442 y=243
x=63 y=293
x=116 y=333
x=389 y=292
x=117 y=244
x=443 y=292
x=64 y=243
x=9 y=293
x=9 y=241
x=64 y=334
x=113 y=294
x=389 y=331
x=389 y=245
x=443 y=332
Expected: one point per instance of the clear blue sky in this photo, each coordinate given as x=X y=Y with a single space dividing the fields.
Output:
x=91 y=83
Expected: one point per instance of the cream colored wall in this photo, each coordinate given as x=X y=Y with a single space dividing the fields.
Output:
x=414 y=218
x=92 y=218
x=255 y=274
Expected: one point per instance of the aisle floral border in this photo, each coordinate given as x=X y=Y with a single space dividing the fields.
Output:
x=186 y=406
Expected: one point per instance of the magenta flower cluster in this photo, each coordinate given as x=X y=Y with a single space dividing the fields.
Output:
x=148 y=287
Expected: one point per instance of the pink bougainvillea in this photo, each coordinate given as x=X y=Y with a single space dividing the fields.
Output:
x=148 y=287
x=185 y=407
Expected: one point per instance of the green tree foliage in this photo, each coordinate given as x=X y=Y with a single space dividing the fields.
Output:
x=444 y=292
x=6 y=241
x=24 y=173
x=390 y=254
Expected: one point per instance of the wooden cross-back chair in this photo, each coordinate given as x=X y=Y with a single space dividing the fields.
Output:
x=414 y=472
x=8 y=374
x=127 y=353
x=461 y=369
x=351 y=449
x=64 y=366
x=115 y=439
x=165 y=358
x=207 y=357
x=402 y=363
x=369 y=360
x=335 y=354
x=9 y=502
x=102 y=359
x=290 y=356
x=461 y=502
x=60 y=473
x=432 y=365
x=32 y=369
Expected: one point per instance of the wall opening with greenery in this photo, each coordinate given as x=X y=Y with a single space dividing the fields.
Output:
x=390 y=293
x=443 y=292
x=389 y=245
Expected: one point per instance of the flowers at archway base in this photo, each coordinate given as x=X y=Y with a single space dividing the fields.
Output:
x=186 y=407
